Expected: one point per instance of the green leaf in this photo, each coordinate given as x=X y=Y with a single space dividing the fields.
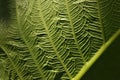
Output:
x=55 y=39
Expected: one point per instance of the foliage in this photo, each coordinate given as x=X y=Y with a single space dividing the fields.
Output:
x=53 y=39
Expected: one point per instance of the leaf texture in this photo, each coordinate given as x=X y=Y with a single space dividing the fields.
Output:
x=54 y=39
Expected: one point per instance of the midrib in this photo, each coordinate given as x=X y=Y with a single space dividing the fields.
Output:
x=13 y=64
x=27 y=44
x=101 y=24
x=52 y=43
x=73 y=32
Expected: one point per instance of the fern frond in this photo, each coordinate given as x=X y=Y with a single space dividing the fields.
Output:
x=54 y=39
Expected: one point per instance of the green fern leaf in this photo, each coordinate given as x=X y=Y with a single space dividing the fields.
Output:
x=55 y=39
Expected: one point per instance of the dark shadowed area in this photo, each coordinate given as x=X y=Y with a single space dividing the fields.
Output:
x=5 y=10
